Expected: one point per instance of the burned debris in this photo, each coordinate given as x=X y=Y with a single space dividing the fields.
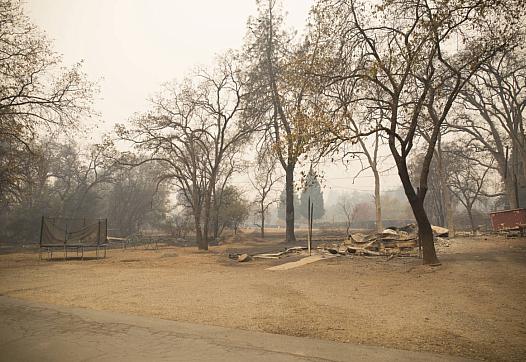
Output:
x=391 y=242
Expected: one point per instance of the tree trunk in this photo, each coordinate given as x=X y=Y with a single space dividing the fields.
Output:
x=506 y=172
x=206 y=222
x=445 y=216
x=289 y=210
x=216 y=214
x=470 y=215
x=449 y=213
x=511 y=192
x=425 y=233
x=201 y=243
x=262 y=223
x=378 y=202
x=206 y=212
x=216 y=222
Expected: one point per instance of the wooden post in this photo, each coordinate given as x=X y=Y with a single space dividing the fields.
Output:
x=310 y=223
x=40 y=241
x=65 y=241
x=98 y=234
x=308 y=227
x=506 y=164
x=516 y=188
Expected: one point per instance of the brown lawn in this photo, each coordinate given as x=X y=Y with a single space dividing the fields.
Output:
x=474 y=305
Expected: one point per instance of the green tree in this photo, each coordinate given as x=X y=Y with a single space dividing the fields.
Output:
x=234 y=210
x=313 y=191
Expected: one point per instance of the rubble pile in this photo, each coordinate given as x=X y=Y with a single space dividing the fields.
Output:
x=391 y=242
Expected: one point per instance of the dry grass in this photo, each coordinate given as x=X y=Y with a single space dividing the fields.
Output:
x=473 y=305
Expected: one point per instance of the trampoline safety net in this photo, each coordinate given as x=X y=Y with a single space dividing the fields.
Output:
x=56 y=230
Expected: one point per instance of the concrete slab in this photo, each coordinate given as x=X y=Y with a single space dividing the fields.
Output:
x=301 y=262
x=40 y=332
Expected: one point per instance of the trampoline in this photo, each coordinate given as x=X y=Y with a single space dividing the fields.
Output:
x=63 y=234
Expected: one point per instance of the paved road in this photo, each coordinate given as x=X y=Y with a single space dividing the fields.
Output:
x=38 y=332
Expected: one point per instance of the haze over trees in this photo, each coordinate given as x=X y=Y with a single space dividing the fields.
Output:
x=264 y=183
x=312 y=191
x=196 y=130
x=435 y=89
x=36 y=92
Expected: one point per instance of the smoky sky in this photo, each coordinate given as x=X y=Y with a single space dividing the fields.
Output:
x=131 y=47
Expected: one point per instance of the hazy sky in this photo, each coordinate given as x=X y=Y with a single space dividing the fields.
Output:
x=131 y=47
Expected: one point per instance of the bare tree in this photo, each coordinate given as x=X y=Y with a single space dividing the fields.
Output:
x=492 y=114
x=349 y=210
x=466 y=179
x=264 y=181
x=402 y=48
x=229 y=168
x=349 y=119
x=194 y=129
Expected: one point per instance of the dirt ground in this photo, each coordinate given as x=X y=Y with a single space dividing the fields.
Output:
x=474 y=305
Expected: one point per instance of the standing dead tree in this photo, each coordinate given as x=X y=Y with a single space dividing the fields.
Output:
x=221 y=100
x=228 y=169
x=491 y=112
x=264 y=181
x=350 y=211
x=344 y=129
x=466 y=179
x=196 y=129
x=403 y=48
x=177 y=142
